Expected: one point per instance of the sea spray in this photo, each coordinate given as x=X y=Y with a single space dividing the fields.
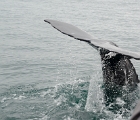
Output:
x=95 y=95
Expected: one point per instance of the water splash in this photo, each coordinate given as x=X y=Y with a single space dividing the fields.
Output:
x=95 y=96
x=76 y=100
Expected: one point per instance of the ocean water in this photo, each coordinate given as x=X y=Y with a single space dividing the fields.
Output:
x=45 y=75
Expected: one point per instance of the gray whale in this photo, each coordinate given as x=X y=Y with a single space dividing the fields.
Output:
x=116 y=65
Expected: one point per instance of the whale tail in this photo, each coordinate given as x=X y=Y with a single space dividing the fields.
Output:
x=78 y=34
x=116 y=65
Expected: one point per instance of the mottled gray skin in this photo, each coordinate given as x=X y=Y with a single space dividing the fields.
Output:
x=118 y=69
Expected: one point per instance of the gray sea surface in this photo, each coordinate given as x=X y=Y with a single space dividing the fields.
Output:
x=45 y=75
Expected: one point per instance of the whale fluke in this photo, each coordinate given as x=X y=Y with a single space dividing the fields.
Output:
x=116 y=65
x=117 y=68
x=78 y=34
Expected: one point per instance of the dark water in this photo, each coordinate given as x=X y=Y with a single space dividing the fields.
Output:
x=45 y=75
